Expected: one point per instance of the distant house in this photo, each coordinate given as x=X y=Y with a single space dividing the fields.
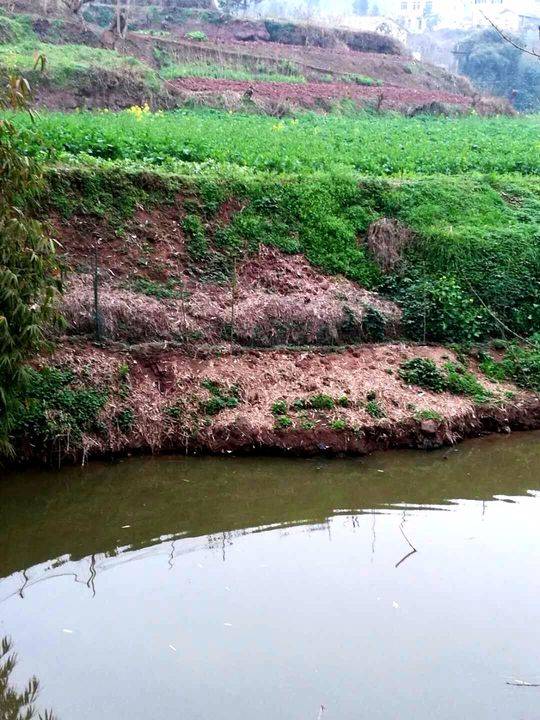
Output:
x=511 y=15
x=413 y=14
x=377 y=24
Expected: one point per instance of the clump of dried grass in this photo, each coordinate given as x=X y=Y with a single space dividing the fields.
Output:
x=278 y=300
x=386 y=239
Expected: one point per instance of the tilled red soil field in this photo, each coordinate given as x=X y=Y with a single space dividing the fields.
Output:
x=311 y=94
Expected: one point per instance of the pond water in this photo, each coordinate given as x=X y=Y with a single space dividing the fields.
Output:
x=404 y=585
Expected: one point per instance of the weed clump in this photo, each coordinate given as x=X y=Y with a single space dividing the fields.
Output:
x=521 y=365
x=125 y=420
x=279 y=408
x=424 y=373
x=375 y=409
x=221 y=398
x=453 y=378
x=58 y=410
x=321 y=402
x=428 y=415
x=283 y=422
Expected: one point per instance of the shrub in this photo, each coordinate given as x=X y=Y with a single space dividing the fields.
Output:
x=424 y=373
x=338 y=425
x=438 y=309
x=321 y=402
x=374 y=409
x=58 y=410
x=496 y=65
x=197 y=35
x=279 y=408
x=283 y=422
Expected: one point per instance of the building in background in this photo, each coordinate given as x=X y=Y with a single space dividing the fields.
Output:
x=413 y=14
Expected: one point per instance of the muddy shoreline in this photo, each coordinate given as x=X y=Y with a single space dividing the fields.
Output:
x=223 y=404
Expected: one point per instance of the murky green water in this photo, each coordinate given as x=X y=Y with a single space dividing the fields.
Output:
x=405 y=585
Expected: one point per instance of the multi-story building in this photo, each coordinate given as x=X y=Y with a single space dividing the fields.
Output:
x=414 y=14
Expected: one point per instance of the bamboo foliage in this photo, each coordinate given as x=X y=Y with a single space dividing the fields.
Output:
x=29 y=274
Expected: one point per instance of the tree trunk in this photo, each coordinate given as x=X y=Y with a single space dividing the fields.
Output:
x=126 y=19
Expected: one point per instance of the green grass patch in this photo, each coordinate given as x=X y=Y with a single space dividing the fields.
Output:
x=356 y=79
x=173 y=71
x=452 y=378
x=58 y=409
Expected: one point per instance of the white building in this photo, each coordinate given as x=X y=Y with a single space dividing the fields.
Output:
x=413 y=14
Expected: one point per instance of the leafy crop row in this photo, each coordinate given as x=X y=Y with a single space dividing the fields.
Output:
x=382 y=146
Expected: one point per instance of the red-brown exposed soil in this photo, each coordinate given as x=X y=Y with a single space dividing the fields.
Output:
x=312 y=94
x=276 y=299
x=164 y=380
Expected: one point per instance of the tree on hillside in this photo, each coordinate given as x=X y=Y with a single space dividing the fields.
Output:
x=500 y=67
x=75 y=6
x=361 y=7
x=29 y=274
x=236 y=5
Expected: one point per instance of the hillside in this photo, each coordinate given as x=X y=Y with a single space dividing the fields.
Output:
x=211 y=60
x=286 y=285
x=328 y=281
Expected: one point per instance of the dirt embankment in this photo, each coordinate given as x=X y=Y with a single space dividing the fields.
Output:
x=152 y=288
x=317 y=95
x=193 y=358
x=181 y=403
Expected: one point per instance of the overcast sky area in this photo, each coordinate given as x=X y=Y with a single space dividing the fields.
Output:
x=344 y=7
x=444 y=8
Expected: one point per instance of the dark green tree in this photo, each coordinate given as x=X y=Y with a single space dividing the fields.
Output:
x=501 y=67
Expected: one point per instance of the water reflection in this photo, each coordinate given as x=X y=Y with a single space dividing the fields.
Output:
x=17 y=704
x=402 y=585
